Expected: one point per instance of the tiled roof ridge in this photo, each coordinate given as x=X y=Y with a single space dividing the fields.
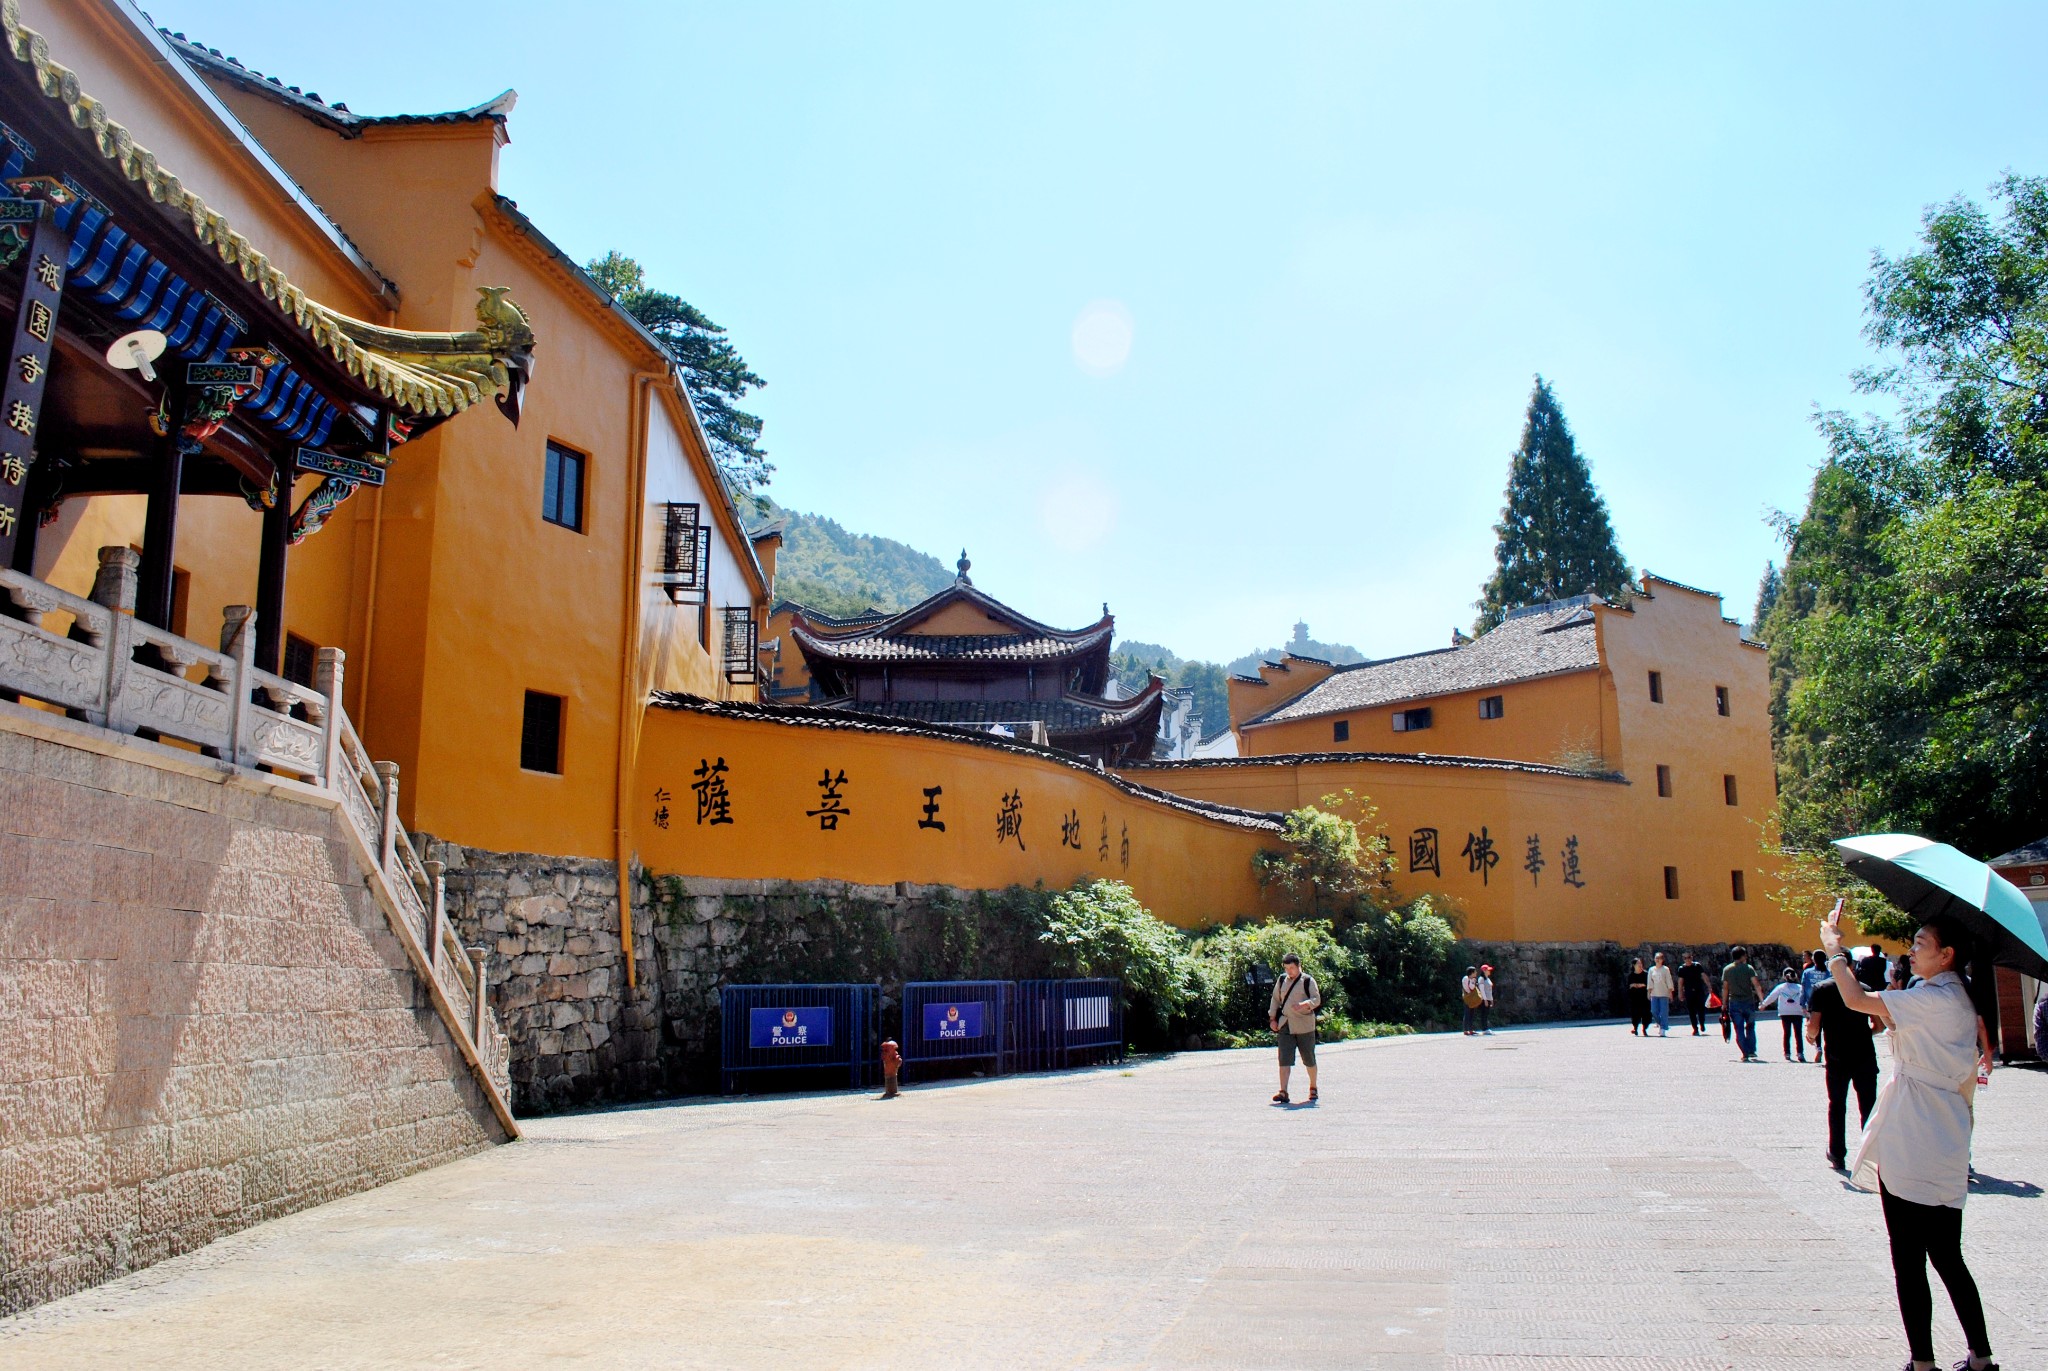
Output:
x=1649 y=576
x=868 y=642
x=813 y=716
x=2027 y=854
x=963 y=589
x=1402 y=758
x=337 y=115
x=1551 y=606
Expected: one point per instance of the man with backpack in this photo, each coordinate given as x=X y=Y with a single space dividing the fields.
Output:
x=1296 y=997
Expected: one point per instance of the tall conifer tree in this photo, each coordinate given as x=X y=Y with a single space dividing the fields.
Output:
x=1554 y=539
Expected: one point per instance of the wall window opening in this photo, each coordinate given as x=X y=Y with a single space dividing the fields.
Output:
x=1721 y=701
x=1728 y=789
x=1735 y=883
x=1656 y=687
x=298 y=660
x=1663 y=782
x=1492 y=707
x=1670 y=882
x=1341 y=730
x=561 y=491
x=540 y=734
x=1411 y=720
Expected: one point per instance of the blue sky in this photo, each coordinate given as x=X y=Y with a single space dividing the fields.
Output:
x=1228 y=315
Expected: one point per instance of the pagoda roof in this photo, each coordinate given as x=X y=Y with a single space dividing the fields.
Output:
x=1070 y=714
x=857 y=646
x=832 y=647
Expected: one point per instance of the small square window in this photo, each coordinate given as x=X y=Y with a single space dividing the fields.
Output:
x=1341 y=730
x=1411 y=720
x=540 y=734
x=1735 y=883
x=1721 y=701
x=1663 y=782
x=561 y=490
x=1492 y=707
x=298 y=660
x=1670 y=882
x=1728 y=789
x=1656 y=687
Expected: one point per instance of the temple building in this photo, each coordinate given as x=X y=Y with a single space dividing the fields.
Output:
x=961 y=659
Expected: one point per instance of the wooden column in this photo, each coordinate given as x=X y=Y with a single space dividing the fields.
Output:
x=160 y=521
x=277 y=532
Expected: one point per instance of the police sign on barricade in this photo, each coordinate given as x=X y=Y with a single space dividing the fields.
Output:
x=1064 y=1023
x=795 y=1027
x=955 y=1021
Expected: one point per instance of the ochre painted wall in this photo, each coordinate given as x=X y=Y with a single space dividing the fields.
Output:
x=1188 y=868
x=1542 y=719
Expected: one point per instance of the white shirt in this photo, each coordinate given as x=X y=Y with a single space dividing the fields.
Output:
x=1790 y=998
x=1918 y=1138
x=1662 y=982
x=1485 y=988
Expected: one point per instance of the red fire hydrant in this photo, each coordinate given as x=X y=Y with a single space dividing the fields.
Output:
x=892 y=1066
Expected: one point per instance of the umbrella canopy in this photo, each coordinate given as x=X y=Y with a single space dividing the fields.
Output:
x=1927 y=879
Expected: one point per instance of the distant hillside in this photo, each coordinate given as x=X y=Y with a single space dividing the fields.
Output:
x=1134 y=662
x=825 y=567
x=1301 y=645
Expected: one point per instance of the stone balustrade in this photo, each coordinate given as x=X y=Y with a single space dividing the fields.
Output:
x=110 y=670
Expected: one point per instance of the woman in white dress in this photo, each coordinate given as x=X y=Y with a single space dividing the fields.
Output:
x=1916 y=1146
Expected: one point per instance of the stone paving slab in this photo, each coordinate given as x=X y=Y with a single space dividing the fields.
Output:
x=1553 y=1199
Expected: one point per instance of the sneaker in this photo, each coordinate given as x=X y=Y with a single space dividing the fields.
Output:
x=1281 y=1098
x=1967 y=1365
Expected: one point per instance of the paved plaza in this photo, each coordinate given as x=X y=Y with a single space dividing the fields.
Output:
x=1552 y=1199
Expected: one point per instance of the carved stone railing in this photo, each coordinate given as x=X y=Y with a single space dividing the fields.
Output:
x=115 y=672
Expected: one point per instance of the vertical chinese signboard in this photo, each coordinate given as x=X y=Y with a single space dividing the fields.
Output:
x=28 y=358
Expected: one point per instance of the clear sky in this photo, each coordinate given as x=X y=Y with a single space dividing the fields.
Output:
x=1228 y=315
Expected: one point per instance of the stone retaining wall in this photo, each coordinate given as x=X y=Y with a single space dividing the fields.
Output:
x=205 y=1020
x=1541 y=982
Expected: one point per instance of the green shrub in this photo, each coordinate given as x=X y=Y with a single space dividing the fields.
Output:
x=1237 y=965
x=1098 y=928
x=1403 y=963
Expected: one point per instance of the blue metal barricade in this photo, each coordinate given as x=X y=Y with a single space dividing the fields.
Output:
x=956 y=1021
x=1057 y=1022
x=795 y=1027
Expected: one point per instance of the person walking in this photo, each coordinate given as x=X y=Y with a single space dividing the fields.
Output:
x=1739 y=996
x=1662 y=985
x=1813 y=976
x=1485 y=984
x=1468 y=990
x=1692 y=983
x=1296 y=997
x=1790 y=1003
x=1916 y=1148
x=1851 y=1048
x=1638 y=998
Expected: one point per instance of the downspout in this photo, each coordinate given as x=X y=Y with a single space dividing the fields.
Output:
x=370 y=615
x=629 y=657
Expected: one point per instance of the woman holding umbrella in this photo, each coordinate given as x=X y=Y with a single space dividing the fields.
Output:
x=1916 y=1146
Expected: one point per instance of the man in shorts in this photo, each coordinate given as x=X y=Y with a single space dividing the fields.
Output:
x=1296 y=997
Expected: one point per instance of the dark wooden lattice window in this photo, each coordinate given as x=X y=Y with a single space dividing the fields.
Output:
x=561 y=491
x=1341 y=731
x=1492 y=707
x=742 y=645
x=685 y=552
x=298 y=660
x=1412 y=720
x=540 y=733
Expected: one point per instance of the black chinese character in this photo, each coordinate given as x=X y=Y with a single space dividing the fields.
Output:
x=1010 y=820
x=1570 y=864
x=1422 y=852
x=661 y=799
x=714 y=804
x=1102 y=853
x=931 y=817
x=1532 y=860
x=1070 y=830
x=1127 y=847
x=831 y=809
x=1479 y=855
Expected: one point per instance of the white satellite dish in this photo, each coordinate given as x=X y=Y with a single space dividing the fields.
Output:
x=135 y=351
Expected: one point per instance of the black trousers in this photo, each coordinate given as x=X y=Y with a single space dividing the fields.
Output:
x=1923 y=1233
x=1841 y=1075
x=1795 y=1036
x=1696 y=1010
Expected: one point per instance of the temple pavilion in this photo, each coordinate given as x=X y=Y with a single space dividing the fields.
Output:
x=962 y=659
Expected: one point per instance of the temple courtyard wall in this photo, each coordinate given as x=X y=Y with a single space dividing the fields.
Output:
x=205 y=1018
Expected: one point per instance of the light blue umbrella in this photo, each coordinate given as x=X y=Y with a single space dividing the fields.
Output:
x=1926 y=879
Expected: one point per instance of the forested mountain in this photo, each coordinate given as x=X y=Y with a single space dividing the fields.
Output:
x=1133 y=662
x=825 y=567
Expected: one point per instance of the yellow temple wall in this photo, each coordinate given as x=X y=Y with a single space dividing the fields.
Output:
x=1540 y=719
x=1189 y=869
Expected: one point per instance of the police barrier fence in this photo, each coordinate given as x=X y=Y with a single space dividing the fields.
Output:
x=1067 y=1023
x=957 y=1021
x=793 y=1027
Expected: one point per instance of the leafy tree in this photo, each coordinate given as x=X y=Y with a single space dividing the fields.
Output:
x=717 y=376
x=1910 y=640
x=1554 y=538
x=1098 y=928
x=827 y=568
x=1766 y=594
x=1328 y=863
